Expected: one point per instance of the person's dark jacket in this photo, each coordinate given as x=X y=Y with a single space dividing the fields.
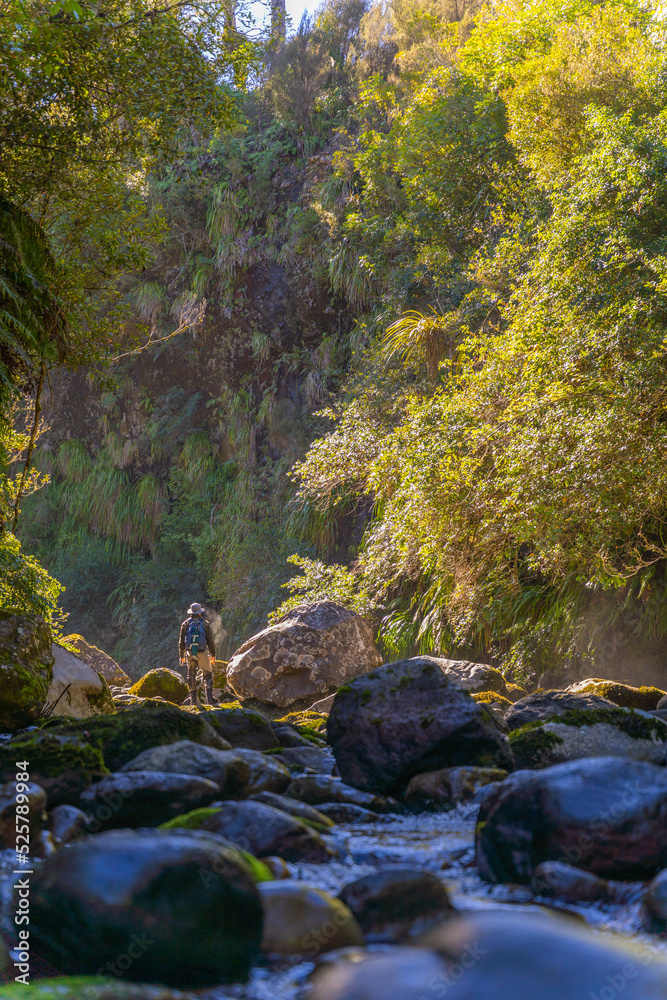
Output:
x=210 y=642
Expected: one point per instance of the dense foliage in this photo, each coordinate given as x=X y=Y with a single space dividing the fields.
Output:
x=424 y=276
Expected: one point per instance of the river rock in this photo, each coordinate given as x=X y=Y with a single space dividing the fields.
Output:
x=319 y=788
x=399 y=974
x=407 y=718
x=288 y=736
x=655 y=905
x=265 y=773
x=243 y=728
x=502 y=955
x=624 y=695
x=544 y=705
x=264 y=831
x=443 y=789
x=152 y=906
x=32 y=800
x=144 y=798
x=76 y=690
x=128 y=733
x=302 y=920
x=162 y=683
x=308 y=759
x=294 y=808
x=230 y=773
x=100 y=661
x=600 y=732
x=90 y=988
x=26 y=667
x=66 y=823
x=345 y=812
x=62 y=765
x=397 y=904
x=605 y=814
x=305 y=655
x=573 y=885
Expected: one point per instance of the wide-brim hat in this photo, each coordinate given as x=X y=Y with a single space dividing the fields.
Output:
x=196 y=609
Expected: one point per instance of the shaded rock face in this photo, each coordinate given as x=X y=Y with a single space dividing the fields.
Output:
x=305 y=655
x=144 y=798
x=265 y=774
x=407 y=718
x=474 y=677
x=294 y=808
x=605 y=814
x=228 y=771
x=128 y=733
x=397 y=904
x=26 y=667
x=445 y=788
x=302 y=920
x=162 y=683
x=171 y=907
x=99 y=661
x=558 y=880
x=544 y=705
x=34 y=798
x=76 y=690
x=607 y=732
x=66 y=823
x=243 y=728
x=500 y=955
x=62 y=765
x=265 y=831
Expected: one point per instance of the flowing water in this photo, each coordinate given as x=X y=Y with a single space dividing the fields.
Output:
x=444 y=844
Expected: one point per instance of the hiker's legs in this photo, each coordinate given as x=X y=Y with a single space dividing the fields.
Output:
x=207 y=675
x=192 y=676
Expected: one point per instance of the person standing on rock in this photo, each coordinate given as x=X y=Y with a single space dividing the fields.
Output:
x=196 y=647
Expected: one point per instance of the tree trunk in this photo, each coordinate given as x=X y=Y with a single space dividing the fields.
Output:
x=278 y=20
x=31 y=444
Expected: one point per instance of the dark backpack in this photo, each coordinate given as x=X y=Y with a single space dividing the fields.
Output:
x=195 y=636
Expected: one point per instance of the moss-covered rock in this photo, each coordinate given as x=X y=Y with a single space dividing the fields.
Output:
x=491 y=698
x=242 y=728
x=590 y=733
x=124 y=736
x=311 y=725
x=162 y=683
x=624 y=695
x=64 y=765
x=26 y=668
x=98 y=660
x=89 y=988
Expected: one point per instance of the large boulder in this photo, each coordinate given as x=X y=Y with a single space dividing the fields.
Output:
x=406 y=718
x=229 y=772
x=445 y=788
x=64 y=766
x=144 y=798
x=655 y=905
x=478 y=678
x=140 y=727
x=305 y=655
x=162 y=683
x=504 y=955
x=302 y=920
x=544 y=705
x=265 y=773
x=625 y=695
x=76 y=690
x=604 y=814
x=599 y=732
x=174 y=907
x=26 y=666
x=265 y=831
x=100 y=661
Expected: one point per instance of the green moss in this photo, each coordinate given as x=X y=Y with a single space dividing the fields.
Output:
x=161 y=683
x=366 y=696
x=492 y=698
x=190 y=821
x=74 y=988
x=343 y=689
x=123 y=736
x=624 y=695
x=50 y=756
x=639 y=727
x=533 y=745
x=427 y=720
